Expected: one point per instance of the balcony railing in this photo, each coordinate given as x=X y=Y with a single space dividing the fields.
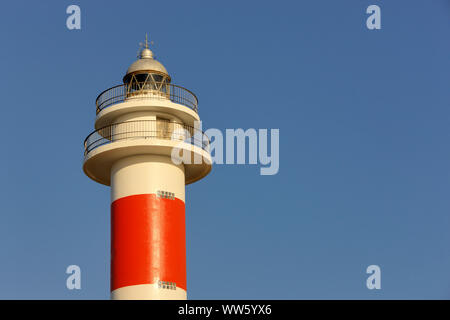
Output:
x=145 y=129
x=154 y=90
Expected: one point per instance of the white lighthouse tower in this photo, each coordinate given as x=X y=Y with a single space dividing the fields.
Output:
x=140 y=128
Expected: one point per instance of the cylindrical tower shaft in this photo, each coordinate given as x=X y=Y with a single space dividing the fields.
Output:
x=148 y=248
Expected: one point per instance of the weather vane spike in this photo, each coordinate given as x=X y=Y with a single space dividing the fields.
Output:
x=144 y=45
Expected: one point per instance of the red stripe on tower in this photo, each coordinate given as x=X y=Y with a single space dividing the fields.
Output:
x=148 y=241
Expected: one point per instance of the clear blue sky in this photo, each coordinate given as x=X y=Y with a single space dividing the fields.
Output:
x=364 y=123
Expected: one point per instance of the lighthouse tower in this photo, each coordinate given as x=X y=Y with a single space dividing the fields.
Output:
x=147 y=146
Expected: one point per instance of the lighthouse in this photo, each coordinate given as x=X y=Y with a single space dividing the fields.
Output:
x=147 y=146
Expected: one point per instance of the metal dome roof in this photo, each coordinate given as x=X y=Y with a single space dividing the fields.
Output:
x=146 y=63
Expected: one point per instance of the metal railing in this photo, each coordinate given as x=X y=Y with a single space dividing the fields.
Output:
x=145 y=129
x=144 y=90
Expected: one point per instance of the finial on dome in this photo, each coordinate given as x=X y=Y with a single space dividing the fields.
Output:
x=144 y=51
